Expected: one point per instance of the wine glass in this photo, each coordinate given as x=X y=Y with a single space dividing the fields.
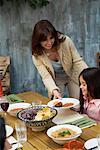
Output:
x=4 y=104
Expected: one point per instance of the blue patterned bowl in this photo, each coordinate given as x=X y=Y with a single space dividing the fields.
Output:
x=28 y=116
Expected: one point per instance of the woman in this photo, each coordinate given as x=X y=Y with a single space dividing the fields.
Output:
x=56 y=59
x=90 y=92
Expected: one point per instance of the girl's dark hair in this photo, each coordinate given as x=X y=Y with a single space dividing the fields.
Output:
x=40 y=33
x=92 y=79
x=2 y=133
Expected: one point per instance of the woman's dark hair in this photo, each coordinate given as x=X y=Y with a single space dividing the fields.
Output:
x=40 y=33
x=2 y=133
x=92 y=79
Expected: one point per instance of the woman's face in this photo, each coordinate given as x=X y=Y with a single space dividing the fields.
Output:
x=48 y=43
x=83 y=86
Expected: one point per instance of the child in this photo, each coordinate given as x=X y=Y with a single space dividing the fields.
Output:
x=90 y=92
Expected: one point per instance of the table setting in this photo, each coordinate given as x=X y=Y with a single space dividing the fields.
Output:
x=26 y=110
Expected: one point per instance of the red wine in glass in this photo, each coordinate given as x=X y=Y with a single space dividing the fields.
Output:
x=4 y=106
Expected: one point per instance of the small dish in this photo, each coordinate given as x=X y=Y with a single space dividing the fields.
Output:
x=91 y=144
x=9 y=130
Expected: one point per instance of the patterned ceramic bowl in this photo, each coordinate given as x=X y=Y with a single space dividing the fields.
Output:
x=37 y=117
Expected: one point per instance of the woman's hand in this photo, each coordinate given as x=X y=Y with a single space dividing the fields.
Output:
x=56 y=94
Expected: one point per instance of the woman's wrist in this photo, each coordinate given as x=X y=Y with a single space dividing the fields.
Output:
x=56 y=93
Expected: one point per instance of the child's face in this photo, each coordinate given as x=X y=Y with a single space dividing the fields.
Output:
x=83 y=86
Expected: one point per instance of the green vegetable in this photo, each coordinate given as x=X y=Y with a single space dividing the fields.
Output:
x=63 y=133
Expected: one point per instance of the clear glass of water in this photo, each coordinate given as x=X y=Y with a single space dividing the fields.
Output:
x=21 y=132
x=36 y=103
x=98 y=141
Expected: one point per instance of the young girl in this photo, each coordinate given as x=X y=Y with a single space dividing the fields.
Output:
x=90 y=92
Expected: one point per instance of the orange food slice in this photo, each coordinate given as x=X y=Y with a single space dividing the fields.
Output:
x=16 y=109
x=68 y=104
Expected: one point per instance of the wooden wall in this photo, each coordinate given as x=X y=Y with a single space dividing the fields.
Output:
x=80 y=19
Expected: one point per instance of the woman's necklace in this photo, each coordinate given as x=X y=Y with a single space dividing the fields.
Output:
x=52 y=54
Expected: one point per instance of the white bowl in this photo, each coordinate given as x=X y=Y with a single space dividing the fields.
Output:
x=62 y=141
x=64 y=101
x=16 y=107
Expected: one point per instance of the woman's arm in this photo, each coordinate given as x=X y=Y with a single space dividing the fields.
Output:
x=46 y=76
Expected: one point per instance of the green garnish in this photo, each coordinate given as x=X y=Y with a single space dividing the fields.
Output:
x=63 y=133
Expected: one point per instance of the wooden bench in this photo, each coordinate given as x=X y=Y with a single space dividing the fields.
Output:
x=5 y=73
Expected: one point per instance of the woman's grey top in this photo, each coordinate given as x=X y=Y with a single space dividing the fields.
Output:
x=59 y=71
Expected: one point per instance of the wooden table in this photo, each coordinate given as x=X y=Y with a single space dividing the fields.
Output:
x=39 y=140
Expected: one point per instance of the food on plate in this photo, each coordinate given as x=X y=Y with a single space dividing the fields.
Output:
x=63 y=133
x=37 y=115
x=43 y=114
x=29 y=114
x=68 y=104
x=74 y=145
x=16 y=109
x=60 y=104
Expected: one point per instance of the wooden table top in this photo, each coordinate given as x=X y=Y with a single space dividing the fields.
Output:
x=39 y=140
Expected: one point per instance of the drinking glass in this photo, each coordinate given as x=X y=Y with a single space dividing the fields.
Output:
x=4 y=104
x=36 y=103
x=21 y=132
x=98 y=141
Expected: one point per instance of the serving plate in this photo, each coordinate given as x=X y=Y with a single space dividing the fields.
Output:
x=64 y=101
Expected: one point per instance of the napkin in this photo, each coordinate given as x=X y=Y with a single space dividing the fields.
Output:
x=14 y=143
x=84 y=122
x=14 y=98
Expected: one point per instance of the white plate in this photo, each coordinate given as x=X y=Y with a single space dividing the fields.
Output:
x=91 y=143
x=66 y=116
x=64 y=101
x=9 y=130
x=17 y=105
